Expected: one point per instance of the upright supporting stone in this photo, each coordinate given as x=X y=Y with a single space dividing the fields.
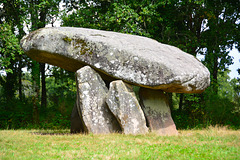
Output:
x=91 y=92
x=157 y=111
x=124 y=105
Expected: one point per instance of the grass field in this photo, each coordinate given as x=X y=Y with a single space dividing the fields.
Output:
x=213 y=143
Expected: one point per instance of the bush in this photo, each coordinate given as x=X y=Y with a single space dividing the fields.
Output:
x=201 y=111
x=17 y=114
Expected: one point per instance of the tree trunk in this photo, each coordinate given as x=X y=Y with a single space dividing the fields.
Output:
x=181 y=101
x=9 y=86
x=44 y=94
x=41 y=24
x=35 y=104
x=35 y=66
x=36 y=87
x=20 y=79
x=38 y=19
x=215 y=74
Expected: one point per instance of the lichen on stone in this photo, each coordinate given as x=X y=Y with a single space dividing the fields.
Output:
x=83 y=46
x=67 y=39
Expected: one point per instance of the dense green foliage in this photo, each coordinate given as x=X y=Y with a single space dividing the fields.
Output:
x=44 y=97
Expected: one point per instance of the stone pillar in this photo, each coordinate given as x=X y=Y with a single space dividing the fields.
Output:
x=124 y=105
x=91 y=103
x=157 y=111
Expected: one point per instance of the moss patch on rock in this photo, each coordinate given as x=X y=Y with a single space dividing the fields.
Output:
x=67 y=39
x=82 y=43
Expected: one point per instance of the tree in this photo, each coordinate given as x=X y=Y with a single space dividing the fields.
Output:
x=9 y=51
x=36 y=14
x=222 y=23
x=11 y=11
x=39 y=11
x=209 y=28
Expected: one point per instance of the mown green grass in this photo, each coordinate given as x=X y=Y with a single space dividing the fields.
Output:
x=212 y=143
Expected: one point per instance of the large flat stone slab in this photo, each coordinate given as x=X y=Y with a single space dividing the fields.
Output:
x=134 y=59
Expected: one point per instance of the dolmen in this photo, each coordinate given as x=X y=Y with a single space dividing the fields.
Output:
x=108 y=66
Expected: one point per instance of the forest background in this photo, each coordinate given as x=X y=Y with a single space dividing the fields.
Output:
x=43 y=96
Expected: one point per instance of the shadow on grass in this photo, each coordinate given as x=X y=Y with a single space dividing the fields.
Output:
x=54 y=132
x=51 y=134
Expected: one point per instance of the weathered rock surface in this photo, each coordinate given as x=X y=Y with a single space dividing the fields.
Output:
x=92 y=92
x=135 y=59
x=124 y=105
x=157 y=111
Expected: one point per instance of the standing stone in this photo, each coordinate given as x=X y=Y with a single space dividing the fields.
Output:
x=124 y=105
x=157 y=111
x=91 y=92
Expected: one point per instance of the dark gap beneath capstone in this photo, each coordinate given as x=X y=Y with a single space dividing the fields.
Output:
x=107 y=83
x=136 y=90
